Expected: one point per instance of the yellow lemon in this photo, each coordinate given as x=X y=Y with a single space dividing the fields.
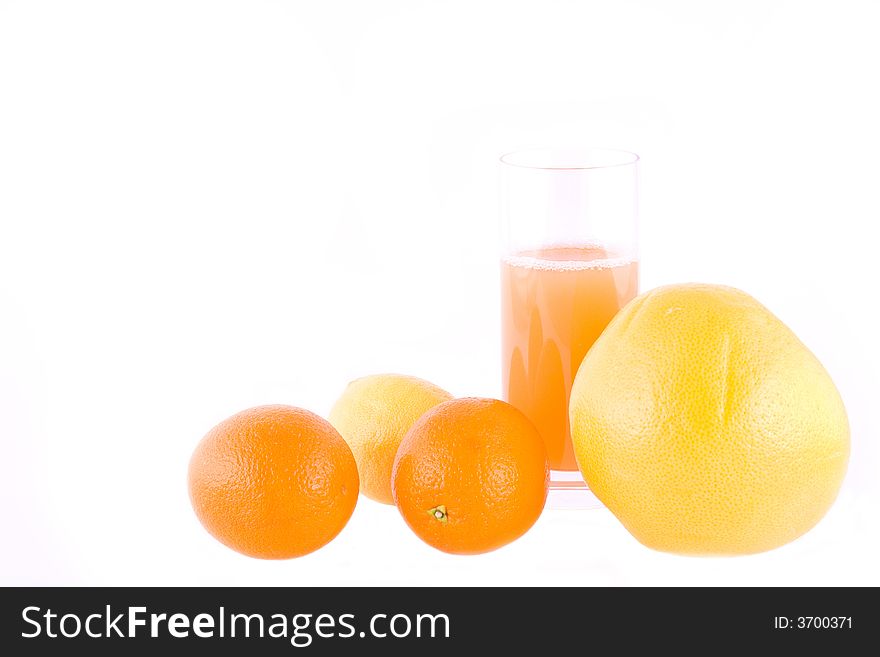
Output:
x=373 y=415
x=703 y=423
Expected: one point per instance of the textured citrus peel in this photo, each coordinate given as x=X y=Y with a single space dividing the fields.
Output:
x=439 y=513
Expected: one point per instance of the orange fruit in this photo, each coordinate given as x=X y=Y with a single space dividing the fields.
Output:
x=471 y=475
x=273 y=482
x=373 y=415
x=706 y=426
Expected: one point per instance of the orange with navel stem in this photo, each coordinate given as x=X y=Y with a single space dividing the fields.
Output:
x=471 y=475
x=273 y=482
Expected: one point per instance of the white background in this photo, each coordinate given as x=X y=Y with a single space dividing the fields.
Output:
x=211 y=205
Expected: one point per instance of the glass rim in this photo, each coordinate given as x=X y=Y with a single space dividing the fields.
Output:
x=568 y=159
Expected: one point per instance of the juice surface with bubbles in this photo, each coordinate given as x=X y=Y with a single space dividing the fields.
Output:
x=555 y=302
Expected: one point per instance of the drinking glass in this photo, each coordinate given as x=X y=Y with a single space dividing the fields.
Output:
x=569 y=262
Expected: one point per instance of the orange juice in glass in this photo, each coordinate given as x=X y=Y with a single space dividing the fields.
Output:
x=569 y=262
